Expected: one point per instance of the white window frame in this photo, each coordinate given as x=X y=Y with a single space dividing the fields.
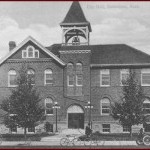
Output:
x=146 y=101
x=9 y=73
x=48 y=108
x=47 y=71
x=125 y=129
x=77 y=80
x=68 y=77
x=123 y=71
x=27 y=52
x=106 y=128
x=30 y=132
x=144 y=71
x=104 y=72
x=28 y=73
x=101 y=104
x=24 y=51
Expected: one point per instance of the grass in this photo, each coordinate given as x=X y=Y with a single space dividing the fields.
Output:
x=20 y=137
x=112 y=136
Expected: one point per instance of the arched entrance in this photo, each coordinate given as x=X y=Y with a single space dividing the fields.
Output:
x=75 y=117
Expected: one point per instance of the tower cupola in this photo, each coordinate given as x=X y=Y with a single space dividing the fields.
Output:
x=76 y=29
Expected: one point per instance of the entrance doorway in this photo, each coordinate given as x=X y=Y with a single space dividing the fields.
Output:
x=75 y=117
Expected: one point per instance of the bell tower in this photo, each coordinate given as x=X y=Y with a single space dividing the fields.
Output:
x=75 y=28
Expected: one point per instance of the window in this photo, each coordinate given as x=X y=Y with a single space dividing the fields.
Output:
x=30 y=52
x=31 y=76
x=12 y=78
x=70 y=67
x=105 y=77
x=145 y=77
x=48 y=106
x=146 y=106
x=36 y=54
x=70 y=80
x=124 y=74
x=48 y=76
x=31 y=129
x=126 y=129
x=13 y=128
x=105 y=106
x=78 y=67
x=106 y=128
x=24 y=54
x=79 y=80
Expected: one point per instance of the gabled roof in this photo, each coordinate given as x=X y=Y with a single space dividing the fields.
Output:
x=75 y=16
x=111 y=54
x=38 y=44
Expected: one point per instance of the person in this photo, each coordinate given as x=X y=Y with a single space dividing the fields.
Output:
x=141 y=134
x=88 y=130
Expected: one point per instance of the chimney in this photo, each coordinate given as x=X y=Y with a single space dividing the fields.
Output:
x=12 y=45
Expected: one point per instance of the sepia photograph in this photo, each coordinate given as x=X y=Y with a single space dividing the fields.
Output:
x=74 y=74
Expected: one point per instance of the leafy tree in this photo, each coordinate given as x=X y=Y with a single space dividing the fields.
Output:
x=23 y=103
x=129 y=110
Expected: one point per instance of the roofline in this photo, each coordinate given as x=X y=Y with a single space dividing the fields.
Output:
x=38 y=44
x=119 y=65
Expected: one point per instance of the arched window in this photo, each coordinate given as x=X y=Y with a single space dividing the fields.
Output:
x=79 y=67
x=105 y=106
x=70 y=74
x=48 y=76
x=79 y=76
x=146 y=106
x=70 y=67
x=48 y=106
x=31 y=76
x=12 y=78
x=30 y=52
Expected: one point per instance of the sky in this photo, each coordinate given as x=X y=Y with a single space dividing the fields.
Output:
x=111 y=22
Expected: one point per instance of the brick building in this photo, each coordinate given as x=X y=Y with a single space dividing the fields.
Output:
x=74 y=73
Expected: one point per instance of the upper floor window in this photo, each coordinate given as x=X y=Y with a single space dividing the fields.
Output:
x=30 y=52
x=12 y=78
x=31 y=76
x=48 y=76
x=146 y=106
x=79 y=80
x=124 y=74
x=79 y=67
x=105 y=77
x=48 y=106
x=145 y=77
x=70 y=80
x=105 y=106
x=70 y=67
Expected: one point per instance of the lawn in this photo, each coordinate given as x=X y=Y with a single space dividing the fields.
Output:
x=20 y=137
x=112 y=136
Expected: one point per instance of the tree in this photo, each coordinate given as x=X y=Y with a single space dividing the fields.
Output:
x=129 y=111
x=23 y=103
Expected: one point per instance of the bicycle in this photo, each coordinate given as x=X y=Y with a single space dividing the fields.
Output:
x=70 y=139
x=91 y=140
x=1 y=139
x=144 y=141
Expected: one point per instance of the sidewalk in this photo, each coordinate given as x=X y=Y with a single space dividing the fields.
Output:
x=57 y=143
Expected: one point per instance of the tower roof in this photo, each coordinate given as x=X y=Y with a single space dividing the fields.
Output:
x=75 y=16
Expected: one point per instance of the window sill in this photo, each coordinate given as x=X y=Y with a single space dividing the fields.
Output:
x=12 y=86
x=49 y=114
x=104 y=85
x=145 y=84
